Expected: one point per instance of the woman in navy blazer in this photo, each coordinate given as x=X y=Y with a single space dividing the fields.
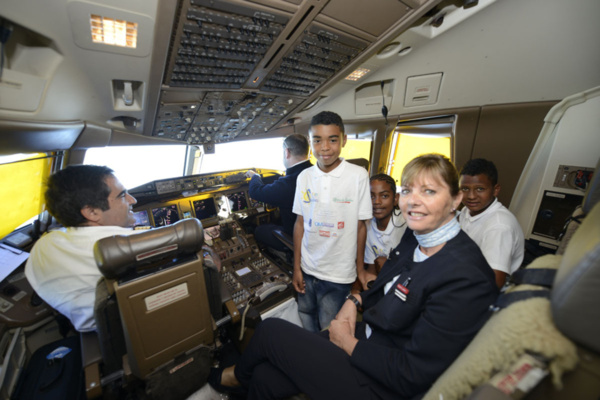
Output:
x=429 y=300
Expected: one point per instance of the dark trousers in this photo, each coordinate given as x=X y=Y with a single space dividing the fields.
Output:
x=283 y=359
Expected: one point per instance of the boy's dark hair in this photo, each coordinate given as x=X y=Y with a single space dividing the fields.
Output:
x=75 y=187
x=385 y=178
x=297 y=144
x=478 y=166
x=327 y=118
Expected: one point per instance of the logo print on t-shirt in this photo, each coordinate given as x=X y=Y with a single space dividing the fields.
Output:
x=341 y=225
x=308 y=196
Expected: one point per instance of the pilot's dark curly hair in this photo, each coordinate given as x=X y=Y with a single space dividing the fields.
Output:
x=75 y=187
x=327 y=118
x=478 y=166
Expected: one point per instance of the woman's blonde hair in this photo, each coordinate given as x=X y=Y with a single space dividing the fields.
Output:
x=437 y=166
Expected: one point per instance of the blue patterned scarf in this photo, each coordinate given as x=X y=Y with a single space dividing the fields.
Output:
x=440 y=235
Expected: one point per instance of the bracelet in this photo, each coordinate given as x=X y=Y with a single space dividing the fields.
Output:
x=355 y=301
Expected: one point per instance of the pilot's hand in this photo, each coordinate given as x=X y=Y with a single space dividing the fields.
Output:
x=250 y=173
x=298 y=282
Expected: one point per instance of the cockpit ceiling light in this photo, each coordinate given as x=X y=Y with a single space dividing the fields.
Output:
x=357 y=74
x=114 y=32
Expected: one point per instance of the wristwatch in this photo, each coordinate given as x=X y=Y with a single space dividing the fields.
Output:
x=355 y=301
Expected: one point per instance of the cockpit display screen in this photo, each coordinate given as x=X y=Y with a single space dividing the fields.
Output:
x=205 y=208
x=165 y=215
x=237 y=201
x=141 y=218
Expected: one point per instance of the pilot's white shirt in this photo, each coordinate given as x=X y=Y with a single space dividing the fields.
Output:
x=380 y=243
x=62 y=270
x=498 y=234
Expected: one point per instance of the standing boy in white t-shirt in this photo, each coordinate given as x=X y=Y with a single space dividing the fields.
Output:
x=332 y=203
x=491 y=225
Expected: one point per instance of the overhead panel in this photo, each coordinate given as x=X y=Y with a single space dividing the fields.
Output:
x=218 y=44
x=240 y=68
x=319 y=53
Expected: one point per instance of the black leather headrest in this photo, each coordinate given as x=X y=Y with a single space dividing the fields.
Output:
x=116 y=255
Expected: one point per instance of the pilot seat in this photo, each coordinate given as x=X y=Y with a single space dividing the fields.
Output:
x=155 y=329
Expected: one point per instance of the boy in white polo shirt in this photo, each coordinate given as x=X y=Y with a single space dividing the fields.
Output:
x=332 y=203
x=495 y=229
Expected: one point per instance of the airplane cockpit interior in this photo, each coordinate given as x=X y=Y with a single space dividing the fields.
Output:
x=185 y=100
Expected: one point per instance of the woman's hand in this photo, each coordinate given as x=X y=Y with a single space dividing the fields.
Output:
x=341 y=333
x=348 y=313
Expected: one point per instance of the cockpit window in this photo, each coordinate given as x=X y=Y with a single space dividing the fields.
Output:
x=415 y=137
x=255 y=153
x=22 y=178
x=136 y=165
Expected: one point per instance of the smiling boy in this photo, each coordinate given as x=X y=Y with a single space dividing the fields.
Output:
x=487 y=221
x=332 y=203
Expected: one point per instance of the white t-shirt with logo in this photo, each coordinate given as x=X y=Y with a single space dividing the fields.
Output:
x=331 y=205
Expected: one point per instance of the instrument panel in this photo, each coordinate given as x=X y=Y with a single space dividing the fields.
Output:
x=244 y=268
x=209 y=197
x=223 y=205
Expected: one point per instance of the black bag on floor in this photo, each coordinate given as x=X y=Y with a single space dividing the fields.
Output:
x=54 y=372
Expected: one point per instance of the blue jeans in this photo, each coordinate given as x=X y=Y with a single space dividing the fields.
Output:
x=321 y=302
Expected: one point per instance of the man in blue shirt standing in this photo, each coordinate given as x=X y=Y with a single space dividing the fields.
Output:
x=280 y=193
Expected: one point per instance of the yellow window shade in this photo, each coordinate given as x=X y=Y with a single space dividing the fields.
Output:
x=408 y=147
x=22 y=195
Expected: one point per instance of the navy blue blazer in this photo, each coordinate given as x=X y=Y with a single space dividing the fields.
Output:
x=280 y=193
x=421 y=327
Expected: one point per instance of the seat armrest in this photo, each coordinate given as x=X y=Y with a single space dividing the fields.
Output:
x=284 y=238
x=90 y=348
x=91 y=358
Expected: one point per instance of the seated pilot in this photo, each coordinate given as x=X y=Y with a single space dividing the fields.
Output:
x=281 y=192
x=91 y=203
x=495 y=229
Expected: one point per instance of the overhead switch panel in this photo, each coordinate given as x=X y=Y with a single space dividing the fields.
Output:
x=219 y=45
